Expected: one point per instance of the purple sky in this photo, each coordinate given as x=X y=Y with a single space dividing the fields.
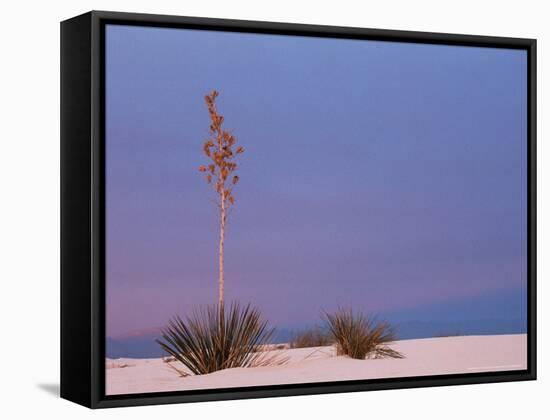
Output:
x=387 y=176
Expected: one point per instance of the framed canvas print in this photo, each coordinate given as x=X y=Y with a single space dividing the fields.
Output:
x=255 y=209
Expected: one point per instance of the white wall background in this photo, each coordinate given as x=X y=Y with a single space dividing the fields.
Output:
x=29 y=187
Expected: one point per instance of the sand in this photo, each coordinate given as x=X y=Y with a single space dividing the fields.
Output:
x=432 y=356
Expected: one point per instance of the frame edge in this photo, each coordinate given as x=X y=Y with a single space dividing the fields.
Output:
x=76 y=263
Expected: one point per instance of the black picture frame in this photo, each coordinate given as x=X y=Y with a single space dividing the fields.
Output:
x=83 y=212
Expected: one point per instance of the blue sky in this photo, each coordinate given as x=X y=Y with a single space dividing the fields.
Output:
x=386 y=176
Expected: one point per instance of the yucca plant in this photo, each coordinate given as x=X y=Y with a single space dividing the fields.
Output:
x=359 y=336
x=212 y=339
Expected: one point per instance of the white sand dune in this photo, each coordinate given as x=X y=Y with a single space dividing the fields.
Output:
x=432 y=356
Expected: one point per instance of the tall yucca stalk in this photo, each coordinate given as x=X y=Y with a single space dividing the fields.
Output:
x=220 y=174
x=210 y=340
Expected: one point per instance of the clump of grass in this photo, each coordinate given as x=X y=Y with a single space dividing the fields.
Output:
x=443 y=334
x=312 y=337
x=359 y=336
x=211 y=340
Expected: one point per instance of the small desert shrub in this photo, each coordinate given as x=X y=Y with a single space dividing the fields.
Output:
x=443 y=334
x=359 y=336
x=210 y=340
x=313 y=337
